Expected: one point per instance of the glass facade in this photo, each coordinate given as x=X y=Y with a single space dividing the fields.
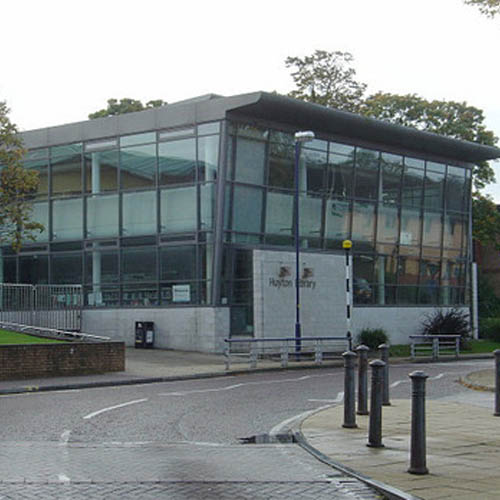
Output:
x=132 y=217
x=408 y=218
x=129 y=217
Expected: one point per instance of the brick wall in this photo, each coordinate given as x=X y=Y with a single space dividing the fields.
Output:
x=21 y=361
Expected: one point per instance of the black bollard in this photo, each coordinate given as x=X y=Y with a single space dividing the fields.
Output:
x=496 y=352
x=349 y=390
x=384 y=356
x=417 y=450
x=375 y=424
x=362 y=351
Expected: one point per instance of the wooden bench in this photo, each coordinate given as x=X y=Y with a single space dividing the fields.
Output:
x=435 y=345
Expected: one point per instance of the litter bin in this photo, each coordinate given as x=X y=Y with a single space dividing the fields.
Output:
x=144 y=334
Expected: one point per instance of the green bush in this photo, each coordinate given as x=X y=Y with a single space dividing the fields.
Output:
x=490 y=329
x=451 y=321
x=372 y=337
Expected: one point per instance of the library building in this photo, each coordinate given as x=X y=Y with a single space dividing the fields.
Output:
x=186 y=216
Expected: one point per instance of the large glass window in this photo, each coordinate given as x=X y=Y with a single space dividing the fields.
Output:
x=101 y=171
x=177 y=161
x=413 y=183
x=279 y=214
x=337 y=222
x=40 y=214
x=40 y=165
x=34 y=269
x=66 y=269
x=67 y=219
x=410 y=226
x=387 y=224
x=66 y=164
x=432 y=229
x=101 y=265
x=391 y=175
x=281 y=161
x=139 y=213
x=250 y=161
x=178 y=263
x=208 y=157
x=102 y=216
x=247 y=209
x=363 y=222
x=178 y=210
x=138 y=167
x=207 y=206
x=434 y=186
x=340 y=175
x=310 y=220
x=314 y=163
x=363 y=274
x=456 y=194
x=366 y=172
x=453 y=230
x=139 y=264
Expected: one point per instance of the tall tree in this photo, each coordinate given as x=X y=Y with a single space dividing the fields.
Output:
x=488 y=7
x=125 y=105
x=327 y=78
x=17 y=185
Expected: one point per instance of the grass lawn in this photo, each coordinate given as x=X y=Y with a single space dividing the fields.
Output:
x=476 y=347
x=7 y=337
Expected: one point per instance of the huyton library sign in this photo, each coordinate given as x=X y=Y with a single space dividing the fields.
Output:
x=323 y=296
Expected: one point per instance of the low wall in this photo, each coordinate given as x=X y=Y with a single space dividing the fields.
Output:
x=22 y=361
x=200 y=329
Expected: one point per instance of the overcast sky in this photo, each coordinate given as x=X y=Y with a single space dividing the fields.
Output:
x=62 y=59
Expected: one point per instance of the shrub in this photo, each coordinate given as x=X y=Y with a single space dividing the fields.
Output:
x=452 y=322
x=372 y=337
x=490 y=329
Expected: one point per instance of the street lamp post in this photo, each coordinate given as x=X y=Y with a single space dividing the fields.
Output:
x=300 y=137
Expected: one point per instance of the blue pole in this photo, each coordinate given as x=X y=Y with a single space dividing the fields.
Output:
x=298 y=329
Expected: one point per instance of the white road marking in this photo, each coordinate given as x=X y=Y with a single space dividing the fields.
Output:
x=63 y=478
x=338 y=399
x=287 y=423
x=408 y=380
x=242 y=384
x=95 y=413
x=437 y=377
x=63 y=440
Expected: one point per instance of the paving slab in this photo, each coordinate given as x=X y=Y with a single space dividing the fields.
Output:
x=463 y=448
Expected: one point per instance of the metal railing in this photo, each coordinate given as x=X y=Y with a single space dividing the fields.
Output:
x=435 y=345
x=52 y=333
x=49 y=306
x=283 y=347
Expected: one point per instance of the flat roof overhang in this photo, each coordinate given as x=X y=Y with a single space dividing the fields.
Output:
x=264 y=106
x=318 y=118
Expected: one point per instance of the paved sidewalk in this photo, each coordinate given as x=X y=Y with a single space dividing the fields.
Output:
x=482 y=380
x=463 y=448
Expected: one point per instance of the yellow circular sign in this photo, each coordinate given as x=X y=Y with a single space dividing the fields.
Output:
x=347 y=244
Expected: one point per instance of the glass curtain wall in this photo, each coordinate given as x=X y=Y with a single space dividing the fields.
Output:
x=407 y=217
x=129 y=217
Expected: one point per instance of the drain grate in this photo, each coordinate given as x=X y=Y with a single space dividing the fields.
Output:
x=269 y=439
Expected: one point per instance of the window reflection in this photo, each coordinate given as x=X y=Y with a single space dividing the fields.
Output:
x=138 y=167
x=177 y=161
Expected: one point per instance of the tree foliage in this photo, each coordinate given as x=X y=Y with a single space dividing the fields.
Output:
x=327 y=78
x=16 y=187
x=486 y=219
x=125 y=105
x=488 y=7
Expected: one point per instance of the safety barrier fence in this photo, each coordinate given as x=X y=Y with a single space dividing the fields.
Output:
x=50 y=306
x=435 y=345
x=305 y=348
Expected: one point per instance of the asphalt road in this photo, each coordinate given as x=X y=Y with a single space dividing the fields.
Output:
x=185 y=433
